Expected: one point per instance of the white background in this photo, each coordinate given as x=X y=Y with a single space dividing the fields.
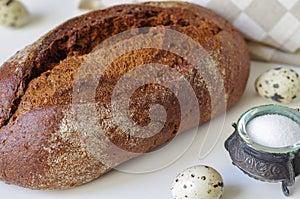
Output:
x=152 y=185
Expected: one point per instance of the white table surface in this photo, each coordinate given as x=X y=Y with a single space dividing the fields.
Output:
x=156 y=184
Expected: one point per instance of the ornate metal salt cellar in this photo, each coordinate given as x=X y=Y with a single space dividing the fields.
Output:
x=262 y=162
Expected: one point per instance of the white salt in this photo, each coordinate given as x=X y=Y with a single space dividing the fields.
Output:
x=273 y=130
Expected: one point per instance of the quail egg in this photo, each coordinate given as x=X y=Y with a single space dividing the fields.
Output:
x=13 y=13
x=279 y=84
x=198 y=182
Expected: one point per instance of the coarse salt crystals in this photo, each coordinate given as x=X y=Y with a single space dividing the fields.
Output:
x=273 y=130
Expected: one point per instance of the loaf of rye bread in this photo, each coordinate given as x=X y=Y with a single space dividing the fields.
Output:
x=42 y=146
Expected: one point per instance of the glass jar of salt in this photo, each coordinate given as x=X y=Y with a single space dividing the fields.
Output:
x=265 y=144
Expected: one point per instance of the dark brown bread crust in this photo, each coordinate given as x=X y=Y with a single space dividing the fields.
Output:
x=39 y=147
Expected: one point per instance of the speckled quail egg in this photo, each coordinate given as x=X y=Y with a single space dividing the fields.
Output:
x=13 y=13
x=198 y=182
x=279 y=84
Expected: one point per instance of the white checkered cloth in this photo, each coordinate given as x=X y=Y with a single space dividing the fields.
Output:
x=275 y=24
